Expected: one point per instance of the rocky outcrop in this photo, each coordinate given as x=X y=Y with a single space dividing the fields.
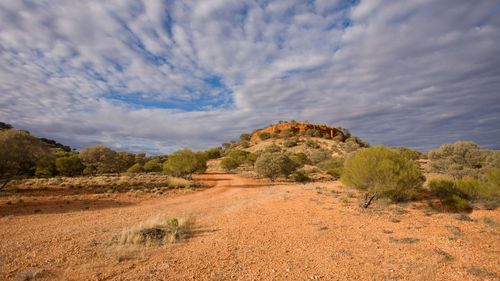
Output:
x=297 y=127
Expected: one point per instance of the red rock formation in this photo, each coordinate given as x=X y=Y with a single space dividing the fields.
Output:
x=298 y=127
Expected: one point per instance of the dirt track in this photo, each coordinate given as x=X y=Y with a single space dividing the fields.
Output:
x=248 y=230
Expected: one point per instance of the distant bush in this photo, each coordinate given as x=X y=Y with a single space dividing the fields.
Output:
x=136 y=168
x=152 y=166
x=300 y=159
x=319 y=155
x=300 y=176
x=264 y=135
x=351 y=145
x=102 y=159
x=286 y=133
x=245 y=137
x=382 y=172
x=313 y=133
x=326 y=136
x=408 y=153
x=338 y=138
x=238 y=155
x=244 y=144
x=185 y=162
x=290 y=142
x=213 y=153
x=312 y=144
x=272 y=148
x=69 y=166
x=273 y=165
x=228 y=163
x=460 y=159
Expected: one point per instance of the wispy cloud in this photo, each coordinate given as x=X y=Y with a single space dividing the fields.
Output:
x=159 y=75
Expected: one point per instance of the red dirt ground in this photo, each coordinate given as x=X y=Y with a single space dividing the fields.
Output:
x=246 y=230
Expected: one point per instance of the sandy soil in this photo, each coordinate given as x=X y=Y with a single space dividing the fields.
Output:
x=246 y=230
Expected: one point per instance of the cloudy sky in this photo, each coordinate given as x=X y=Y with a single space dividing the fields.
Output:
x=159 y=75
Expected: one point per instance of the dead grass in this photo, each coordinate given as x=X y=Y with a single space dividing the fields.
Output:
x=156 y=232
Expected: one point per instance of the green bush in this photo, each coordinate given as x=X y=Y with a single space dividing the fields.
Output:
x=409 y=153
x=213 y=153
x=228 y=163
x=444 y=188
x=264 y=135
x=312 y=144
x=69 y=165
x=238 y=155
x=103 y=159
x=300 y=176
x=272 y=148
x=286 y=133
x=351 y=145
x=335 y=172
x=460 y=159
x=136 y=168
x=319 y=155
x=273 y=165
x=331 y=163
x=457 y=204
x=290 y=142
x=185 y=162
x=152 y=166
x=338 y=138
x=382 y=172
x=300 y=159
x=245 y=144
x=245 y=137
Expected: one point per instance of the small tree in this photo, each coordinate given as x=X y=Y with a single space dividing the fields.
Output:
x=185 y=162
x=319 y=155
x=69 y=166
x=20 y=152
x=382 y=172
x=152 y=166
x=102 y=159
x=273 y=165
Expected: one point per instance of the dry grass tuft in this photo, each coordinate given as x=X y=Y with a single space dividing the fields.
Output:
x=156 y=232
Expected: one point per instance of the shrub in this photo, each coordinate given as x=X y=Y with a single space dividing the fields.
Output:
x=185 y=162
x=213 y=153
x=335 y=172
x=319 y=155
x=300 y=159
x=409 y=153
x=382 y=172
x=272 y=165
x=228 y=163
x=152 y=166
x=457 y=203
x=156 y=232
x=312 y=144
x=444 y=188
x=264 y=135
x=251 y=158
x=102 y=159
x=286 y=133
x=331 y=163
x=272 y=148
x=20 y=154
x=239 y=156
x=245 y=137
x=351 y=145
x=244 y=144
x=300 y=176
x=460 y=159
x=338 y=138
x=136 y=168
x=69 y=166
x=290 y=143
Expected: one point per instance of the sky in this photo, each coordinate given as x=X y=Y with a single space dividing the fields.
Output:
x=156 y=76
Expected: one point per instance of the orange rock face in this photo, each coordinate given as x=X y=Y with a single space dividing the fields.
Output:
x=297 y=127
